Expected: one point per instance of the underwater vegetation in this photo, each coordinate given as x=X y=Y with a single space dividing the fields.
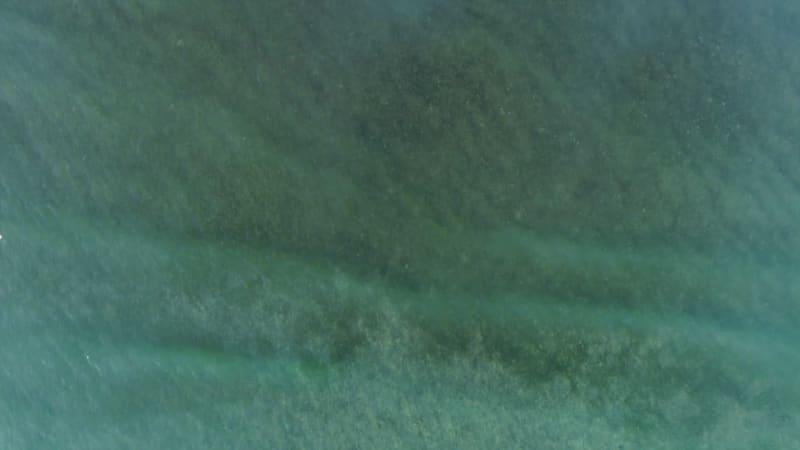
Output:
x=306 y=224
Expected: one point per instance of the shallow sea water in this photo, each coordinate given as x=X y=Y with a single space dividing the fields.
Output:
x=355 y=225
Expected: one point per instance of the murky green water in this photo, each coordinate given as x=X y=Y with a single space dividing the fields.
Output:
x=435 y=225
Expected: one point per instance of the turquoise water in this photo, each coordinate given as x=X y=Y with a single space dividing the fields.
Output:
x=355 y=225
